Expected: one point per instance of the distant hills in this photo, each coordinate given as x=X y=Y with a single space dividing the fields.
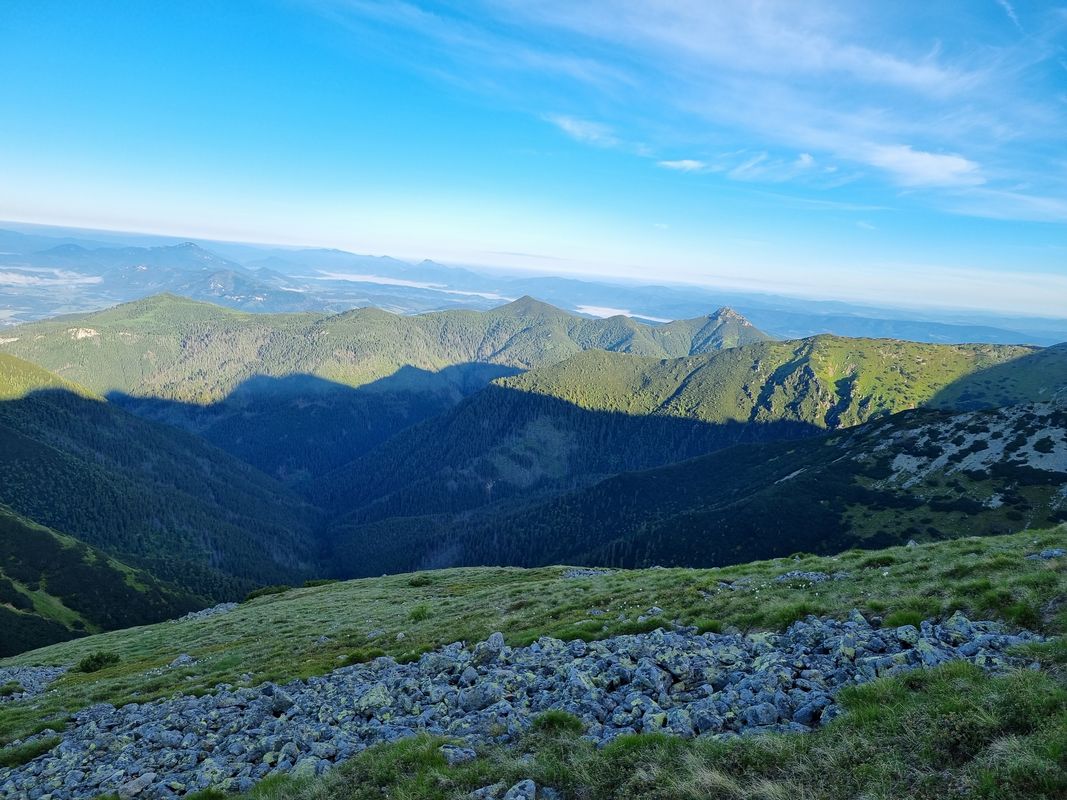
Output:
x=45 y=271
x=188 y=452
x=185 y=350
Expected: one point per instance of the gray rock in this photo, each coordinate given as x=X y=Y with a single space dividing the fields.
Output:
x=32 y=680
x=490 y=792
x=907 y=634
x=457 y=755
x=808 y=714
x=761 y=714
x=799 y=575
x=221 y=608
x=480 y=696
x=137 y=785
x=523 y=790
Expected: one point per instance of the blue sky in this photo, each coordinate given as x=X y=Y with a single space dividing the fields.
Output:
x=906 y=152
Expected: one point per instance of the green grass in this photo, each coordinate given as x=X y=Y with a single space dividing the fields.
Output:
x=10 y=688
x=263 y=591
x=17 y=756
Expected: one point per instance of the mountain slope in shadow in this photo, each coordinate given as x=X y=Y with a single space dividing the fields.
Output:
x=596 y=413
x=298 y=427
x=155 y=496
x=919 y=474
x=923 y=475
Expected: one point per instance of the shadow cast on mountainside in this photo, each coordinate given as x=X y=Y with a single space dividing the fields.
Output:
x=1039 y=376
x=501 y=448
x=154 y=496
x=298 y=427
x=755 y=500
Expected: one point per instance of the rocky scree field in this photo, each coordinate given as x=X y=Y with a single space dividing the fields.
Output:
x=932 y=732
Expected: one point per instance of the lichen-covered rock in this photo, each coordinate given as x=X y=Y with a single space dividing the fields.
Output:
x=457 y=755
x=221 y=608
x=523 y=790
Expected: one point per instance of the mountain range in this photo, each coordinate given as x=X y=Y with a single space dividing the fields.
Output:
x=45 y=271
x=212 y=450
x=240 y=379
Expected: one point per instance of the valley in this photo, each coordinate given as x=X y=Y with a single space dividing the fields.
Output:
x=217 y=450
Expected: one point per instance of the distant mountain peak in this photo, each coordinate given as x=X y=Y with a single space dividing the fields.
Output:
x=527 y=305
x=66 y=250
x=190 y=248
x=727 y=313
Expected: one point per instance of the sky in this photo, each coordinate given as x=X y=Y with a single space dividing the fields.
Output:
x=906 y=152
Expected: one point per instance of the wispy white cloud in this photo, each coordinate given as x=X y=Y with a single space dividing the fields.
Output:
x=762 y=167
x=749 y=167
x=789 y=75
x=776 y=37
x=746 y=166
x=685 y=165
x=910 y=167
x=816 y=203
x=584 y=130
x=1011 y=205
x=1009 y=9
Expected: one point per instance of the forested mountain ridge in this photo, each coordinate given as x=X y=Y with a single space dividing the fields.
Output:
x=923 y=475
x=53 y=587
x=153 y=495
x=297 y=395
x=826 y=381
x=1039 y=376
x=598 y=413
x=170 y=347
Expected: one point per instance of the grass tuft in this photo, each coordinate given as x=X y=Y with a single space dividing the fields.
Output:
x=25 y=753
